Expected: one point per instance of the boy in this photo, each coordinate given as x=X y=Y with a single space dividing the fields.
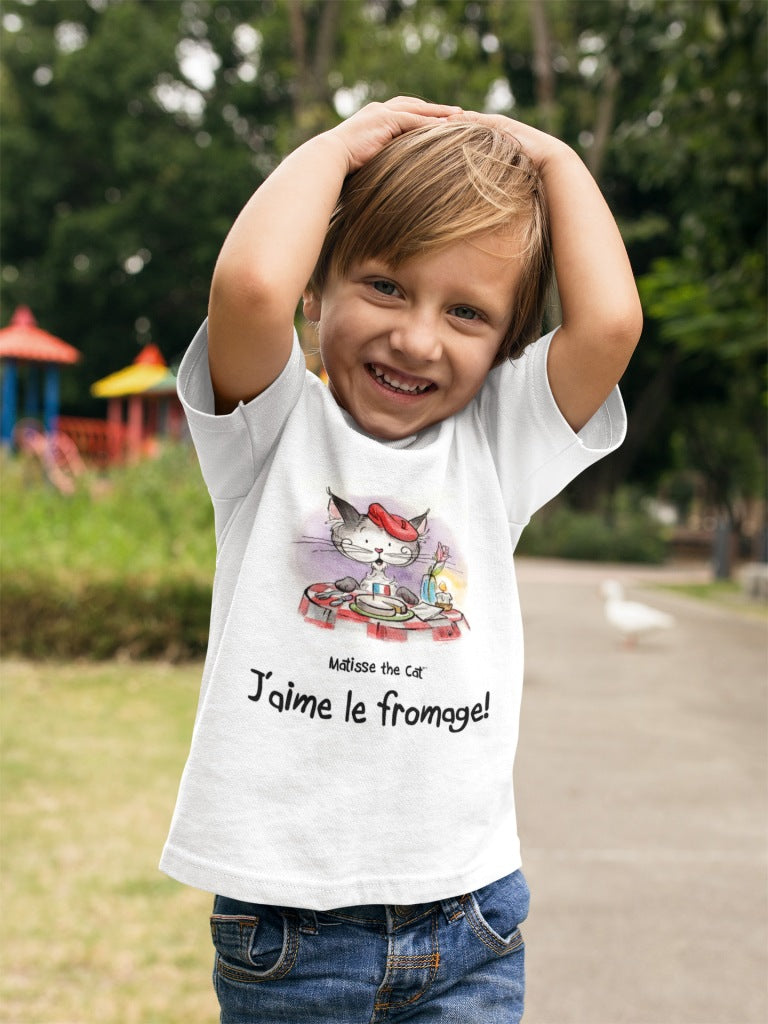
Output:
x=348 y=793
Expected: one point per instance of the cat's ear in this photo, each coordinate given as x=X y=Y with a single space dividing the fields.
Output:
x=420 y=523
x=340 y=509
x=311 y=304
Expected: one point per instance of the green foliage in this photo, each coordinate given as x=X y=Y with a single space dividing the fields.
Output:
x=692 y=143
x=727 y=456
x=124 y=566
x=722 y=316
x=151 y=520
x=99 y=619
x=123 y=169
x=622 y=532
x=114 y=207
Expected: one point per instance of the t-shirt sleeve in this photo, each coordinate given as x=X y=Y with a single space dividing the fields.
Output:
x=535 y=450
x=233 y=448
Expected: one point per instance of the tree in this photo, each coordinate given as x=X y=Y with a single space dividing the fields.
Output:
x=660 y=97
x=133 y=131
x=113 y=205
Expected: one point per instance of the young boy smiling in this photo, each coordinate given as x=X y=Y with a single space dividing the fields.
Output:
x=363 y=872
x=409 y=346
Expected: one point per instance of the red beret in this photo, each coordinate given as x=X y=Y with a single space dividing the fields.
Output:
x=395 y=526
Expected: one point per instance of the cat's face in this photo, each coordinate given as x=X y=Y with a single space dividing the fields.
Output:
x=409 y=346
x=378 y=536
x=366 y=542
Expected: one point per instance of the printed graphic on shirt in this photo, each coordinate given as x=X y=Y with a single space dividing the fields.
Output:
x=396 y=585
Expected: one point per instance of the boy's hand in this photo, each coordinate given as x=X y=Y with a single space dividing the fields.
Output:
x=539 y=146
x=371 y=128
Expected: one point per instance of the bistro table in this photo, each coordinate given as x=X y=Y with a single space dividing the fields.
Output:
x=324 y=605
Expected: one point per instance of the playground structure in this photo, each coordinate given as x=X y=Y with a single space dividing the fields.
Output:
x=57 y=453
x=146 y=390
x=31 y=360
x=25 y=348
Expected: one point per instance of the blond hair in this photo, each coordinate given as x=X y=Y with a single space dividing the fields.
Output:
x=442 y=184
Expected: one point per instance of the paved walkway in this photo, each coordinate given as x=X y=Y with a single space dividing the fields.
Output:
x=642 y=782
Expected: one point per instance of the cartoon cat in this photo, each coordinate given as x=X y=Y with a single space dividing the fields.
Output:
x=379 y=539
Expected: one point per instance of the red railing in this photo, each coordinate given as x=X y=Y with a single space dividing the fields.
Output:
x=99 y=442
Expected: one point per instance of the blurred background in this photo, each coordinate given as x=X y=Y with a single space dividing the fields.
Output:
x=132 y=133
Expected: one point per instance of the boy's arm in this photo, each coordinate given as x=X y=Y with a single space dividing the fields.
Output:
x=602 y=317
x=271 y=249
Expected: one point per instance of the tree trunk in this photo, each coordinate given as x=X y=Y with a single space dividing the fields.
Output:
x=606 y=107
x=542 y=64
x=313 y=53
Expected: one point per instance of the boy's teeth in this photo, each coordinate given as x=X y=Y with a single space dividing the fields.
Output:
x=397 y=384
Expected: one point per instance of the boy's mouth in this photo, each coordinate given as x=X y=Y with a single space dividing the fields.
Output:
x=399 y=383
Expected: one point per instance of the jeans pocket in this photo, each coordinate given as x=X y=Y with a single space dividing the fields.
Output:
x=495 y=913
x=253 y=947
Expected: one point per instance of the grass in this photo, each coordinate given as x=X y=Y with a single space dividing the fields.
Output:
x=151 y=520
x=92 y=932
x=121 y=567
x=724 y=593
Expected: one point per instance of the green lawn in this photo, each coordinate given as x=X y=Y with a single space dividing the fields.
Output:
x=92 y=932
x=725 y=593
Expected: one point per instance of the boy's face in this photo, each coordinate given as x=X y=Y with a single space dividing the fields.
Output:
x=404 y=348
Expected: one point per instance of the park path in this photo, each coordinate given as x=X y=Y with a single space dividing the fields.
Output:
x=642 y=781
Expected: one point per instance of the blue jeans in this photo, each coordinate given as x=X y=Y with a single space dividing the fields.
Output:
x=457 y=961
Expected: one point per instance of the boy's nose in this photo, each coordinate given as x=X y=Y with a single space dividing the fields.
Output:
x=417 y=338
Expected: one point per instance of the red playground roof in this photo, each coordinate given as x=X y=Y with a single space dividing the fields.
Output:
x=23 y=339
x=150 y=355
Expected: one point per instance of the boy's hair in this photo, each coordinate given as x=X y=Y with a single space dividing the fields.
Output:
x=442 y=184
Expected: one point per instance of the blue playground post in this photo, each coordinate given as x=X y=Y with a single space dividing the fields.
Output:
x=8 y=413
x=32 y=392
x=51 y=398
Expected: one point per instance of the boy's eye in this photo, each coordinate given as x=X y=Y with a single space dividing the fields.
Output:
x=465 y=313
x=384 y=287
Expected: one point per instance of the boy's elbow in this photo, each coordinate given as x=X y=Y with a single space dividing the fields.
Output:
x=627 y=327
x=621 y=325
x=239 y=284
x=611 y=339
x=249 y=291
x=609 y=335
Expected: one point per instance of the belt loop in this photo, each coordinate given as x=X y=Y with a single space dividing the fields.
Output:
x=308 y=922
x=452 y=909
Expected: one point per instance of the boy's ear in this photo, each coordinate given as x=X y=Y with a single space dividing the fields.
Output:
x=311 y=304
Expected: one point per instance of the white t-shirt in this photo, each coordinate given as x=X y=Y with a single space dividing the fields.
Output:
x=358 y=715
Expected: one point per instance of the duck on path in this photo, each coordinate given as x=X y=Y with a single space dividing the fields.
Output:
x=631 y=618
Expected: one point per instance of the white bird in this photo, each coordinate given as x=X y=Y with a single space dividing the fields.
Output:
x=631 y=618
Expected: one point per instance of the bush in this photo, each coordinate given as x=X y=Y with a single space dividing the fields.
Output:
x=122 y=567
x=153 y=518
x=43 y=618
x=623 y=532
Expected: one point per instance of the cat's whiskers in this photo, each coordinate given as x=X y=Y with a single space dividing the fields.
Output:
x=325 y=541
